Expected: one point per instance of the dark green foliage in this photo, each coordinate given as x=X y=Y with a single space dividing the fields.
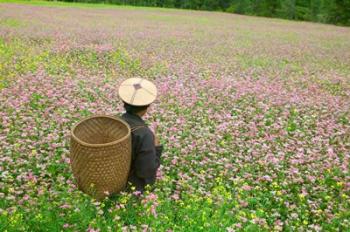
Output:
x=325 y=11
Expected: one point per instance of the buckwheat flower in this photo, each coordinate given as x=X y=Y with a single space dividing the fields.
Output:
x=100 y=212
x=243 y=203
x=153 y=210
x=144 y=227
x=246 y=187
x=93 y=230
x=96 y=203
x=174 y=161
x=175 y=196
x=267 y=178
x=65 y=206
x=137 y=193
x=152 y=197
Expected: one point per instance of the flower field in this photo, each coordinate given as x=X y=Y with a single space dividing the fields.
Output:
x=254 y=114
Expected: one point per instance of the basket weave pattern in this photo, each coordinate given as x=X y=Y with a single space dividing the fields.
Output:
x=100 y=155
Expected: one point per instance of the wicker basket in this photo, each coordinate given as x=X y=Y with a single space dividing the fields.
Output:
x=100 y=155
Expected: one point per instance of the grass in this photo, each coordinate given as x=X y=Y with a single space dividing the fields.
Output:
x=83 y=5
x=17 y=58
x=9 y=22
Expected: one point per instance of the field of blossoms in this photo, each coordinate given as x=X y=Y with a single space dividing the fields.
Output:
x=254 y=114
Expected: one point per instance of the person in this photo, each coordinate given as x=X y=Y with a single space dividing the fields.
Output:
x=137 y=95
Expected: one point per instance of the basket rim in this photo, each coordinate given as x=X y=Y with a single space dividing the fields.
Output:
x=100 y=144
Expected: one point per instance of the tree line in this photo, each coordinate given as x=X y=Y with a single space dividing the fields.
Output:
x=325 y=11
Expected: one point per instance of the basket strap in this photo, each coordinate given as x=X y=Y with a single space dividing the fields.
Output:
x=136 y=128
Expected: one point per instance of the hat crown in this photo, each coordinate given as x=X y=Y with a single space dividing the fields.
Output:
x=137 y=91
x=137 y=86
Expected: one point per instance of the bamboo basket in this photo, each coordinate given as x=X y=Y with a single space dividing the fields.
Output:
x=100 y=153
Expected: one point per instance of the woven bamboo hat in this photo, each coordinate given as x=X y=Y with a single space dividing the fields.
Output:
x=137 y=92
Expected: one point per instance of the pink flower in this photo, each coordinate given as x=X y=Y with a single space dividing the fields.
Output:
x=67 y=160
x=174 y=161
x=65 y=206
x=92 y=230
x=175 y=196
x=153 y=210
x=152 y=197
x=243 y=203
x=246 y=188
x=137 y=193
x=144 y=228
x=267 y=178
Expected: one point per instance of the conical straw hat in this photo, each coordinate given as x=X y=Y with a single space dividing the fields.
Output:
x=137 y=91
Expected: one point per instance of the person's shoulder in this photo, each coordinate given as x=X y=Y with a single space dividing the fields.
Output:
x=144 y=135
x=144 y=130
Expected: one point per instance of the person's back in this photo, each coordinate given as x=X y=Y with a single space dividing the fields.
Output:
x=146 y=150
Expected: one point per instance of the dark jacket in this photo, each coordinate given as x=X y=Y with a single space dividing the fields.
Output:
x=145 y=155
